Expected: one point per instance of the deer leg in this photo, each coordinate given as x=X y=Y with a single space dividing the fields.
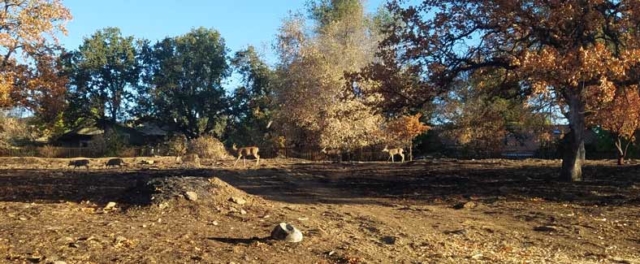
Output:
x=392 y=159
x=257 y=159
x=239 y=156
x=402 y=155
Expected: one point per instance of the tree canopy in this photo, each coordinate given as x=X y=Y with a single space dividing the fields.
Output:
x=28 y=35
x=575 y=51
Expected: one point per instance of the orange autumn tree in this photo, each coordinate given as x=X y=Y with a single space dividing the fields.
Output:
x=28 y=29
x=405 y=128
x=575 y=53
x=621 y=117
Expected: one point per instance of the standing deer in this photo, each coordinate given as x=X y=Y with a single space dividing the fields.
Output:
x=243 y=152
x=393 y=152
x=334 y=154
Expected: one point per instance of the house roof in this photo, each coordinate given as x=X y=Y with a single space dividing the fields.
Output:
x=151 y=129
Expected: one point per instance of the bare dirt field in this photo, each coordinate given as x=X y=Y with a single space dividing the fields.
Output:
x=442 y=211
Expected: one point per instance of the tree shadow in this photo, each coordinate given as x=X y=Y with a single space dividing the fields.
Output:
x=235 y=241
x=346 y=183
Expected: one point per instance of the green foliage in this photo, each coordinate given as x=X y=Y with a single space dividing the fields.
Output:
x=326 y=12
x=177 y=145
x=102 y=73
x=251 y=107
x=184 y=77
x=109 y=144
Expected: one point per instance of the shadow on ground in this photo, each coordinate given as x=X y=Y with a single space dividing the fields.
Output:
x=447 y=181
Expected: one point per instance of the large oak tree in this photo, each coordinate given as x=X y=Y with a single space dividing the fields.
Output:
x=183 y=76
x=578 y=51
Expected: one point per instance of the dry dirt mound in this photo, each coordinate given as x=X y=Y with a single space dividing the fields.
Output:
x=163 y=190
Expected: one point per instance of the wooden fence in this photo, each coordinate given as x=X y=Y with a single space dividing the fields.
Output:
x=364 y=154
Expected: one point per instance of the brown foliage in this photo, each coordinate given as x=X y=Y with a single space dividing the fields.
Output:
x=578 y=51
x=26 y=30
x=207 y=147
x=406 y=128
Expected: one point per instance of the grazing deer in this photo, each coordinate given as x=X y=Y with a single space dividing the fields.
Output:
x=393 y=152
x=243 y=152
x=79 y=163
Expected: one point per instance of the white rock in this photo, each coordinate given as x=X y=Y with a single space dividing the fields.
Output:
x=286 y=232
x=110 y=206
x=191 y=196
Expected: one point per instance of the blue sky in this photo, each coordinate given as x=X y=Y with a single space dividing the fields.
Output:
x=240 y=22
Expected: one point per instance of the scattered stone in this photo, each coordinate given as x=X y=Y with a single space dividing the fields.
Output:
x=163 y=205
x=545 y=228
x=215 y=223
x=286 y=232
x=147 y=162
x=109 y=206
x=119 y=240
x=303 y=218
x=238 y=200
x=477 y=256
x=191 y=196
x=243 y=212
x=59 y=262
x=467 y=205
x=389 y=240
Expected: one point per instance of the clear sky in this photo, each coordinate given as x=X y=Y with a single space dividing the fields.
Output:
x=240 y=22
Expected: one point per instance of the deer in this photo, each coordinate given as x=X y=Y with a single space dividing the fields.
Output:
x=333 y=153
x=393 y=152
x=243 y=152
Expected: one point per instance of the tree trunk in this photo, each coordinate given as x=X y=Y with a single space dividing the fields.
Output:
x=622 y=152
x=410 y=150
x=574 y=151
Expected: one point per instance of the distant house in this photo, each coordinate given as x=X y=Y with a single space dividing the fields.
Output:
x=153 y=133
x=518 y=144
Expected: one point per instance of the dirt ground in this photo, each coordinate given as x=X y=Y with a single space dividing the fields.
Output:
x=434 y=211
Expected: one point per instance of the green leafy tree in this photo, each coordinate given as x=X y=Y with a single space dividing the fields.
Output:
x=251 y=106
x=103 y=73
x=184 y=77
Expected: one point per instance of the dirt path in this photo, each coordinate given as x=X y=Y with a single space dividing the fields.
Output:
x=491 y=211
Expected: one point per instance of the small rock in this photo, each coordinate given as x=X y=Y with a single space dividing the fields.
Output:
x=389 y=240
x=477 y=256
x=467 y=205
x=59 y=262
x=303 y=218
x=286 y=232
x=191 y=196
x=243 y=212
x=238 y=200
x=119 y=240
x=215 y=223
x=546 y=228
x=109 y=206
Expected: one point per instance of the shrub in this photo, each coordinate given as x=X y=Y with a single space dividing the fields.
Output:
x=177 y=145
x=208 y=147
x=49 y=151
x=111 y=143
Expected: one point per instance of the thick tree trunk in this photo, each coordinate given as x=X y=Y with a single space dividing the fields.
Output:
x=574 y=150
